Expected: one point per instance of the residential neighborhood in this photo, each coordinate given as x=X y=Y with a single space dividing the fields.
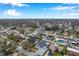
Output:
x=58 y=38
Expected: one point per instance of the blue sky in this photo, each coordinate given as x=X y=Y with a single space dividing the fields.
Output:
x=39 y=10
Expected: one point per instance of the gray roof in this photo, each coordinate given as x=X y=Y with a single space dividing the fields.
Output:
x=41 y=51
x=42 y=44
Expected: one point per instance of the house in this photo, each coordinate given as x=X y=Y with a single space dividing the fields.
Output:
x=42 y=44
x=49 y=33
x=42 y=47
x=73 y=52
x=54 y=47
x=32 y=39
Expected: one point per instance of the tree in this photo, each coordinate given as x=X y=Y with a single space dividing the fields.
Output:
x=13 y=37
x=57 y=53
x=64 y=51
x=26 y=44
x=8 y=49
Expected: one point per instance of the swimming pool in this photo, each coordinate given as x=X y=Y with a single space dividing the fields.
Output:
x=62 y=42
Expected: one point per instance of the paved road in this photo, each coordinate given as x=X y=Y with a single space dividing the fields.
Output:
x=72 y=49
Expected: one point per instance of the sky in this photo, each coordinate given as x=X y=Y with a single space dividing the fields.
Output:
x=39 y=10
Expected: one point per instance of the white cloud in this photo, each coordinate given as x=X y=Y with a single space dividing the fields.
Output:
x=19 y=4
x=71 y=14
x=68 y=16
x=12 y=12
x=62 y=8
